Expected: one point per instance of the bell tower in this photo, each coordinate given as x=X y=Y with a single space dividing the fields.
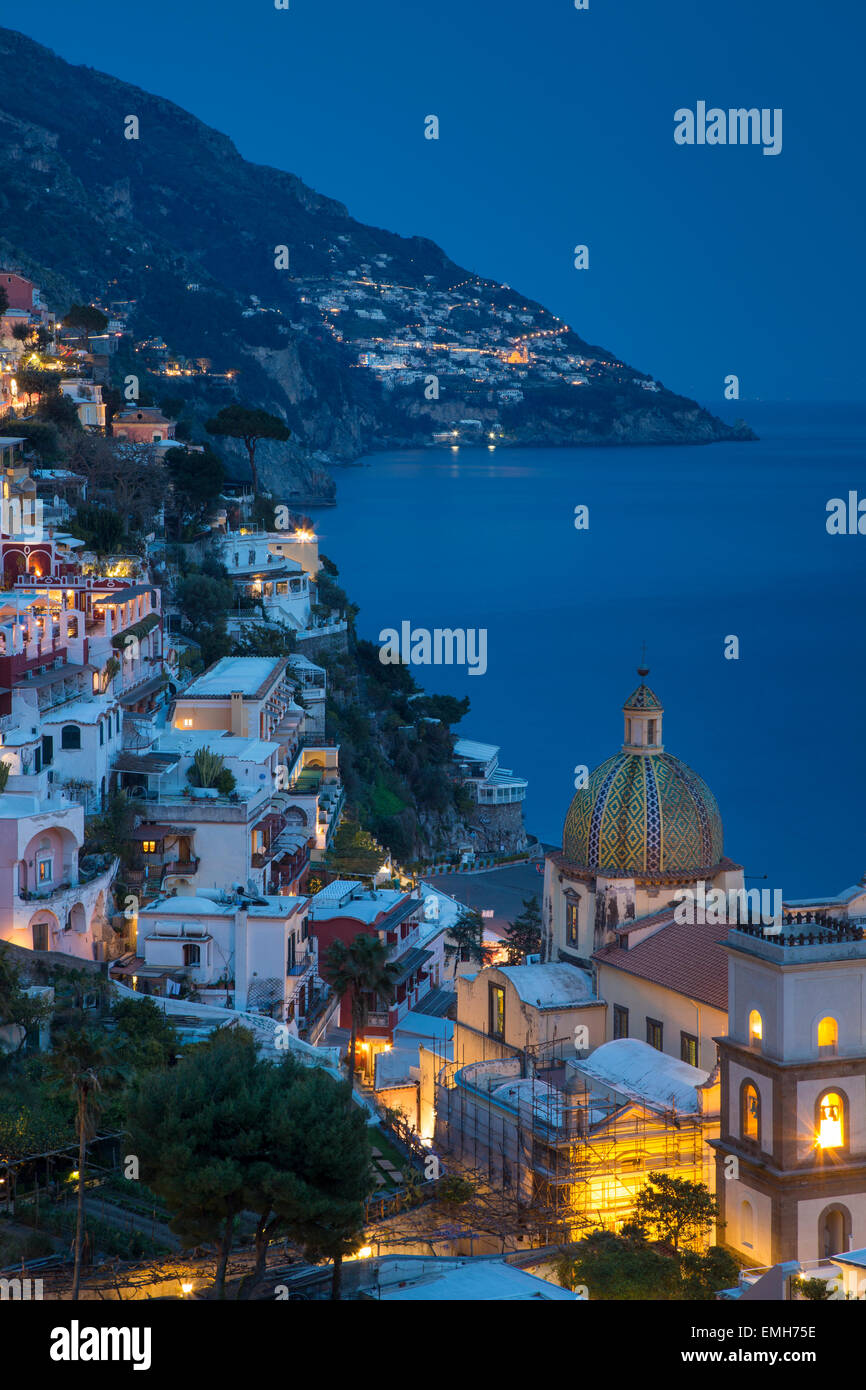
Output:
x=791 y=1156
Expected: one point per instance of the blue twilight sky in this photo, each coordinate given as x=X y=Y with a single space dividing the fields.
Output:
x=556 y=128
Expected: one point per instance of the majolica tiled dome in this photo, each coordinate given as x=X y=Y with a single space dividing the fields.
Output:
x=643 y=811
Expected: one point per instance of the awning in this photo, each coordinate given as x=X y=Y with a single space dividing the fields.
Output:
x=409 y=963
x=54 y=675
x=150 y=764
x=127 y=966
x=123 y=595
x=292 y=839
x=140 y=692
x=436 y=1003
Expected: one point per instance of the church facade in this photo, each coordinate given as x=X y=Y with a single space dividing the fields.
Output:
x=644 y=826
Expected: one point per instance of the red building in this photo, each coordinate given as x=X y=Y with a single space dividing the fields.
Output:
x=142 y=425
x=18 y=290
x=346 y=909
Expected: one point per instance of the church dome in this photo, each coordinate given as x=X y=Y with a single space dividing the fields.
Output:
x=644 y=812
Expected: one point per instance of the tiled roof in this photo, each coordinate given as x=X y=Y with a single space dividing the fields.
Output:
x=652 y=919
x=643 y=698
x=688 y=959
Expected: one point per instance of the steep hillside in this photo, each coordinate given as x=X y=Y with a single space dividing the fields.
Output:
x=343 y=342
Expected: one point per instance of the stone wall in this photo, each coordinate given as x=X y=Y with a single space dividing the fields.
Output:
x=330 y=644
x=498 y=829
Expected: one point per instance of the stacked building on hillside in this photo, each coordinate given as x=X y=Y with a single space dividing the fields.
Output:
x=274 y=575
x=262 y=824
x=413 y=927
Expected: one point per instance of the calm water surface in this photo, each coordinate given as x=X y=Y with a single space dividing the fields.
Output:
x=685 y=547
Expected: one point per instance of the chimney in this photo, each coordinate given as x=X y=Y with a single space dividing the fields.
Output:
x=237 y=713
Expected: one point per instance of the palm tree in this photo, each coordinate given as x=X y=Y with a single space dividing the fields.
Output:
x=83 y=1065
x=360 y=970
x=466 y=938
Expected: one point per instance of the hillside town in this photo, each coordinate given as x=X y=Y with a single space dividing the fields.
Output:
x=548 y=1075
x=470 y=344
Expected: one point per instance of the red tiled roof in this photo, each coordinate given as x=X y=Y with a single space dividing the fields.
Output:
x=688 y=959
x=652 y=919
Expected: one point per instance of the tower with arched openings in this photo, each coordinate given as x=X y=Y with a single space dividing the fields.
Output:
x=791 y=1156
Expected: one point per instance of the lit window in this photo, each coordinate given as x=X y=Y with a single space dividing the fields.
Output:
x=831 y=1121
x=497 y=1011
x=187 y=723
x=828 y=1037
x=571 y=910
x=45 y=870
x=149 y=846
x=689 y=1048
x=655 y=1033
x=756 y=1028
x=750 y=1118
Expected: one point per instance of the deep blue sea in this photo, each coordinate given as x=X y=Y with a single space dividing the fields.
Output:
x=685 y=547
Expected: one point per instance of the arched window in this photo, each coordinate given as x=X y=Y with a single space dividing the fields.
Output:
x=71 y=736
x=747 y=1224
x=750 y=1112
x=828 y=1037
x=101 y=733
x=651 y=732
x=830 y=1121
x=756 y=1029
x=834 y=1231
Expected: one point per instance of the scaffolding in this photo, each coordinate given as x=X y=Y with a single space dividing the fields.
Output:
x=569 y=1152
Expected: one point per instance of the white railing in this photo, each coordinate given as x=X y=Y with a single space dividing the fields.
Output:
x=272 y=1036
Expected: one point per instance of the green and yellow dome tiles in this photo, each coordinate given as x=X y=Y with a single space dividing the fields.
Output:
x=643 y=698
x=644 y=812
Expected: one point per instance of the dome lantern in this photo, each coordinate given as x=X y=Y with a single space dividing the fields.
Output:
x=643 y=713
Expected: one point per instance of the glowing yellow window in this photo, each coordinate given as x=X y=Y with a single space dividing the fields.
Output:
x=149 y=846
x=828 y=1036
x=756 y=1028
x=830 y=1121
x=750 y=1112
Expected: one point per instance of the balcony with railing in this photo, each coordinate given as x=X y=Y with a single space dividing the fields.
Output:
x=70 y=881
x=186 y=867
x=305 y=960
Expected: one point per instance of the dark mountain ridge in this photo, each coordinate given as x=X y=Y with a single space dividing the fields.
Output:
x=177 y=221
